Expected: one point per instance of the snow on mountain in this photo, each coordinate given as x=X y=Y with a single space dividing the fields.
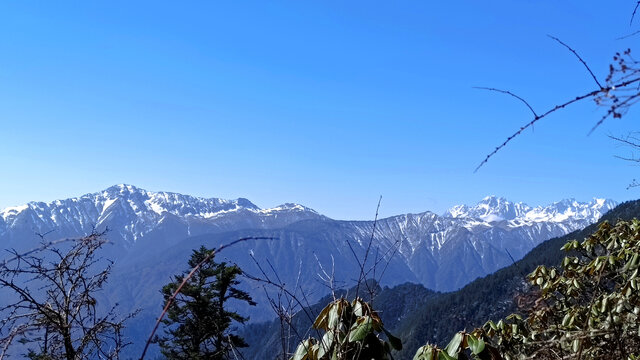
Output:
x=494 y=209
x=132 y=213
x=443 y=252
x=153 y=233
x=446 y=252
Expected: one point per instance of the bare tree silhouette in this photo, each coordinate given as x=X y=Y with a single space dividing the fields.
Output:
x=52 y=291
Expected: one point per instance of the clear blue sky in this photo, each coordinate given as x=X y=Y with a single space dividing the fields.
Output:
x=325 y=103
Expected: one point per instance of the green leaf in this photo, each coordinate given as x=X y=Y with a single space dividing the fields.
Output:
x=442 y=355
x=334 y=317
x=324 y=346
x=361 y=329
x=394 y=341
x=321 y=320
x=475 y=345
x=357 y=308
x=424 y=353
x=302 y=350
x=575 y=346
x=603 y=307
x=454 y=345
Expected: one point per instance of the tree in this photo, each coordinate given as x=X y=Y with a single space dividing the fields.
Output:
x=198 y=325
x=51 y=293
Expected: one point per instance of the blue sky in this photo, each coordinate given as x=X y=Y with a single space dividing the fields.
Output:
x=326 y=103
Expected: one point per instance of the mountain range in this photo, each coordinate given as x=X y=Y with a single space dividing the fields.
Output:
x=426 y=245
x=418 y=316
x=152 y=235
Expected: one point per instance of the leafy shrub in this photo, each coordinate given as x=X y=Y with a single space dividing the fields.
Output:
x=589 y=308
x=350 y=332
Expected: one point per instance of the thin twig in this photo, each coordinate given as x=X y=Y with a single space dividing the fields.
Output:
x=513 y=261
x=633 y=15
x=366 y=253
x=508 y=93
x=579 y=58
x=43 y=246
x=612 y=111
x=552 y=110
x=629 y=35
x=624 y=141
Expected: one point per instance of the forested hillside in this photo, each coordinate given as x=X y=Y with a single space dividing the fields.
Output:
x=492 y=297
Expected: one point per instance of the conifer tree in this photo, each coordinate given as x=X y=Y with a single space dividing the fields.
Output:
x=198 y=324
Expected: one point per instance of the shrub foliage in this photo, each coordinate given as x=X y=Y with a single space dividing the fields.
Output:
x=351 y=331
x=588 y=308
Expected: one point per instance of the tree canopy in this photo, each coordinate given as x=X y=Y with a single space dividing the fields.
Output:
x=198 y=323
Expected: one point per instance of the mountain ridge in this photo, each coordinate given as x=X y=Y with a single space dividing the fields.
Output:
x=152 y=234
x=142 y=221
x=95 y=208
x=436 y=317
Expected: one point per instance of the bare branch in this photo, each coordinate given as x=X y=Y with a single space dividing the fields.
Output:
x=633 y=15
x=590 y=94
x=42 y=246
x=613 y=111
x=508 y=93
x=633 y=184
x=632 y=159
x=626 y=141
x=579 y=58
x=628 y=35
x=60 y=313
x=366 y=253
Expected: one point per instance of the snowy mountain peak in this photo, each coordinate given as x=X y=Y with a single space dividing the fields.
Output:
x=288 y=207
x=493 y=208
x=169 y=202
x=572 y=209
x=489 y=209
x=121 y=189
x=137 y=211
x=493 y=199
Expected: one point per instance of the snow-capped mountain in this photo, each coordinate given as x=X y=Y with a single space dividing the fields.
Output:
x=153 y=234
x=493 y=208
x=140 y=219
x=131 y=213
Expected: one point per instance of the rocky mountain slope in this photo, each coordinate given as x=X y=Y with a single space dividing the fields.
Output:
x=132 y=213
x=153 y=233
x=428 y=244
